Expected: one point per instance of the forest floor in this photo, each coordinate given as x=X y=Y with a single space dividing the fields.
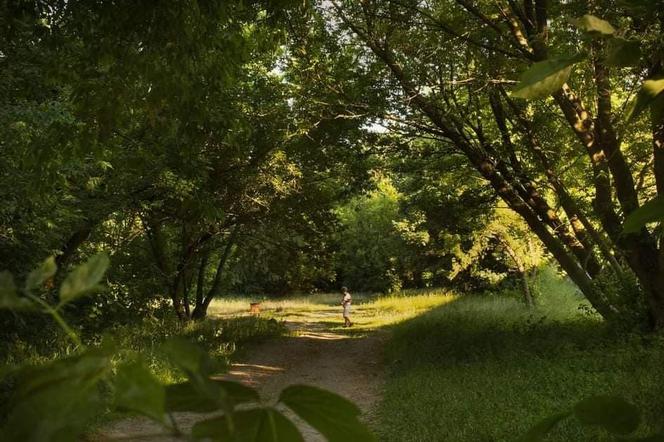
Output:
x=317 y=351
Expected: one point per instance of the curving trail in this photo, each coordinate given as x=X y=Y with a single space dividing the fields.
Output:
x=314 y=353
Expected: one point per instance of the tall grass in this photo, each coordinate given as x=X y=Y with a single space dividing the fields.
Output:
x=218 y=336
x=485 y=368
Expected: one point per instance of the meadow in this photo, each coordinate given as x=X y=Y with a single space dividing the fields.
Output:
x=370 y=311
x=458 y=367
x=484 y=366
x=487 y=368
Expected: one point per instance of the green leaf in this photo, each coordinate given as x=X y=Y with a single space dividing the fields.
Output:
x=191 y=358
x=237 y=392
x=545 y=77
x=653 y=438
x=622 y=52
x=640 y=7
x=594 y=25
x=84 y=278
x=186 y=397
x=137 y=389
x=198 y=366
x=255 y=425
x=41 y=274
x=612 y=413
x=186 y=355
x=652 y=211
x=86 y=368
x=9 y=298
x=58 y=400
x=649 y=92
x=332 y=415
x=542 y=428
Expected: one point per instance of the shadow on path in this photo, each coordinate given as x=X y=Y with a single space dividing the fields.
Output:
x=313 y=353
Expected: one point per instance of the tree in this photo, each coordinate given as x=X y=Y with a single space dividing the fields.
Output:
x=452 y=62
x=181 y=130
x=370 y=247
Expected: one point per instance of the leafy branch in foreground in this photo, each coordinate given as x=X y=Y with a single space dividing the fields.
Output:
x=59 y=400
x=650 y=212
x=611 y=413
x=83 y=280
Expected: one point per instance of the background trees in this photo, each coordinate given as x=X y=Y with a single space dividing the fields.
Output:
x=573 y=166
x=270 y=148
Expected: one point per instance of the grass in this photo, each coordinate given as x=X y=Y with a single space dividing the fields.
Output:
x=485 y=368
x=221 y=337
x=460 y=368
x=369 y=312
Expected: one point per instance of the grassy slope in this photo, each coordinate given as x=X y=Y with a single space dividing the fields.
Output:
x=486 y=369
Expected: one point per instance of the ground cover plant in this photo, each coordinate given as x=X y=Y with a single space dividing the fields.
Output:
x=486 y=367
x=370 y=311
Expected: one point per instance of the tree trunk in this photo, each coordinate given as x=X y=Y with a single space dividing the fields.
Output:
x=155 y=237
x=521 y=271
x=657 y=115
x=573 y=239
x=200 y=310
x=656 y=297
x=487 y=169
x=186 y=285
x=176 y=299
x=200 y=282
x=578 y=219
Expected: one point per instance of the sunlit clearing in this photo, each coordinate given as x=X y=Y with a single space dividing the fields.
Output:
x=368 y=312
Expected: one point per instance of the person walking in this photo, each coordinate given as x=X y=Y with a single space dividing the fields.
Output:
x=345 y=302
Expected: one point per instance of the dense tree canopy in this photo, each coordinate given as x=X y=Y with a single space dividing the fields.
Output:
x=497 y=160
x=574 y=161
x=272 y=147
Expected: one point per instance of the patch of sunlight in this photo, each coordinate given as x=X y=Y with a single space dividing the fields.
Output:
x=388 y=310
x=369 y=311
x=258 y=367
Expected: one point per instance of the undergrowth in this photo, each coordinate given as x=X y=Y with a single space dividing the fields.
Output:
x=486 y=368
x=219 y=337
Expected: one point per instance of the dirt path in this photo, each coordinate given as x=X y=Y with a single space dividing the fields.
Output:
x=314 y=354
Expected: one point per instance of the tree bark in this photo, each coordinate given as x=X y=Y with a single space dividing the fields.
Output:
x=487 y=169
x=578 y=219
x=521 y=271
x=572 y=239
x=200 y=310
x=657 y=119
x=200 y=282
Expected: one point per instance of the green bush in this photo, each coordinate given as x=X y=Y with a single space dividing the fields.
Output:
x=61 y=398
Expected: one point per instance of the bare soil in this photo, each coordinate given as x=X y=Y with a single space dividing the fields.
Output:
x=313 y=354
